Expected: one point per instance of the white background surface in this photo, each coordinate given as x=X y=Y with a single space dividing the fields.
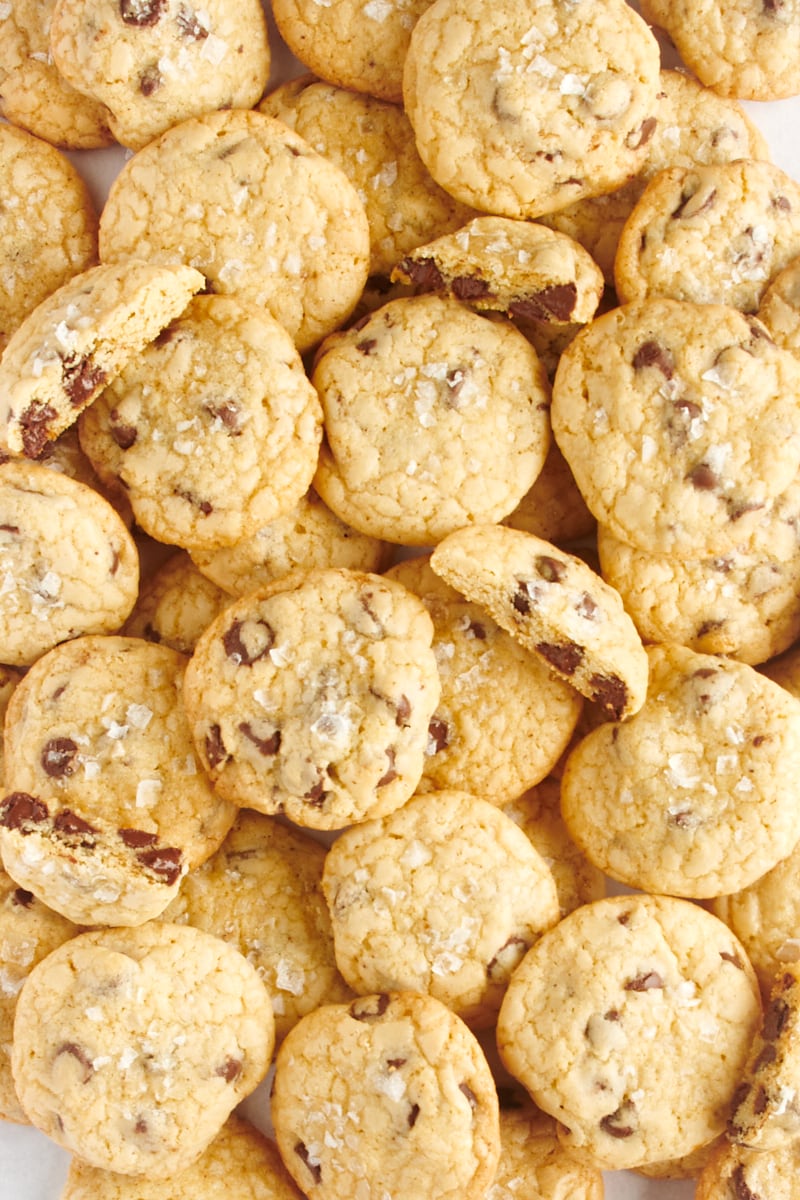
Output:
x=31 y=1167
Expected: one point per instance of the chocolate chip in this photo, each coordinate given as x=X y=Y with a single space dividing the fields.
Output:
x=369 y=1008
x=438 y=735
x=58 y=757
x=644 y=982
x=229 y=413
x=215 y=749
x=621 y=1123
x=229 y=1070
x=80 y=1056
x=469 y=287
x=685 y=819
x=413 y=1113
x=301 y=1150
x=69 y=824
x=34 y=427
x=706 y=204
x=741 y=1189
x=395 y=1063
x=203 y=506
x=189 y=25
x=468 y=1092
x=164 y=861
x=19 y=809
x=366 y=345
x=776 y=1018
x=141 y=12
x=521 y=600
x=610 y=692
x=550 y=568
x=136 y=839
x=587 y=607
x=767 y=1055
x=402 y=711
x=653 y=354
x=566 y=657
x=760 y=1100
x=732 y=957
x=261 y=636
x=141 y=1126
x=9 y=528
x=703 y=478
x=781 y=203
x=641 y=136
x=624 y=917
x=554 y=303
x=477 y=630
x=506 y=962
x=150 y=80
x=22 y=898
x=81 y=379
x=391 y=774
x=423 y=273
x=266 y=746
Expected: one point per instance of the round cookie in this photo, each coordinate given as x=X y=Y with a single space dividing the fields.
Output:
x=245 y=200
x=442 y=897
x=391 y=1092
x=735 y=1172
x=743 y=603
x=533 y=1163
x=175 y=605
x=105 y=807
x=77 y=340
x=627 y=1001
x=538 y=814
x=679 y=422
x=694 y=125
x=434 y=418
x=553 y=509
x=780 y=307
x=213 y=430
x=239 y=1164
x=533 y=108
x=483 y=671
x=29 y=930
x=262 y=892
x=307 y=537
x=739 y=48
x=373 y=143
x=695 y=794
x=555 y=605
x=48 y=226
x=518 y=268
x=766 y=1106
x=33 y=93
x=133 y=1046
x=715 y=234
x=312 y=697
x=83 y=581
x=154 y=63
x=356 y=44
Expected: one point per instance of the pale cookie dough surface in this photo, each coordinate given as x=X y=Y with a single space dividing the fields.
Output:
x=780 y=307
x=48 y=226
x=175 y=605
x=153 y=63
x=553 y=509
x=538 y=814
x=391 y=1093
x=9 y=678
x=312 y=697
x=68 y=564
x=713 y=234
x=735 y=1173
x=77 y=340
x=742 y=48
x=239 y=1164
x=33 y=93
x=242 y=198
x=133 y=1046
x=213 y=430
x=741 y=603
x=29 y=931
x=307 y=537
x=695 y=794
x=503 y=718
x=65 y=456
x=443 y=897
x=434 y=418
x=106 y=806
x=555 y=605
x=262 y=892
x=373 y=143
x=533 y=107
x=534 y=1164
x=514 y=267
x=627 y=1001
x=766 y=1107
x=766 y=917
x=679 y=422
x=356 y=44
x=694 y=125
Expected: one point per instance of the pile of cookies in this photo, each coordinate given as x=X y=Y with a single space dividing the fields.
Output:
x=399 y=540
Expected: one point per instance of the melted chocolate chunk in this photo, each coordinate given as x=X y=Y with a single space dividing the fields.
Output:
x=438 y=734
x=644 y=982
x=653 y=354
x=80 y=1056
x=236 y=648
x=189 y=25
x=317 y=794
x=741 y=1189
x=704 y=207
x=776 y=1018
x=402 y=711
x=423 y=273
x=301 y=1150
x=641 y=135
x=521 y=600
x=703 y=478
x=81 y=378
x=587 y=607
x=391 y=774
x=34 y=425
x=229 y=1070
x=164 y=861
x=215 y=749
x=554 y=303
x=58 y=757
x=22 y=898
x=266 y=746
x=20 y=809
x=413 y=1113
x=610 y=692
x=69 y=824
x=366 y=345
x=229 y=413
x=137 y=839
x=767 y=1055
x=369 y=1008
x=550 y=568
x=150 y=80
x=566 y=657
x=469 y=287
x=621 y=1123
x=141 y=12
x=781 y=203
